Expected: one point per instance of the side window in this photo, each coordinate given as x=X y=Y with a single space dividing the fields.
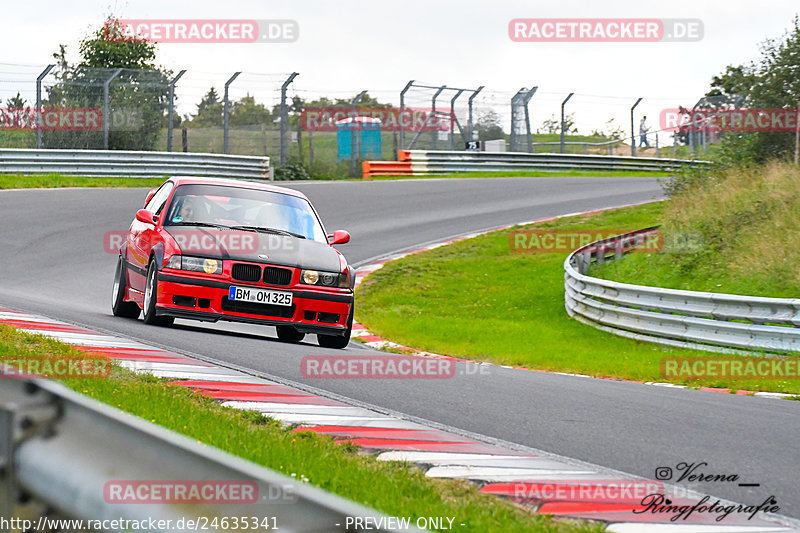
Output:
x=156 y=203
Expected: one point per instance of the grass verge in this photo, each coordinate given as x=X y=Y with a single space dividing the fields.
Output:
x=535 y=174
x=54 y=181
x=740 y=229
x=478 y=299
x=397 y=489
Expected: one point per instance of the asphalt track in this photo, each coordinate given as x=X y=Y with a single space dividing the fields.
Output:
x=53 y=262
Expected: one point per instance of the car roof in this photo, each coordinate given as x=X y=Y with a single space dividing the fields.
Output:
x=224 y=182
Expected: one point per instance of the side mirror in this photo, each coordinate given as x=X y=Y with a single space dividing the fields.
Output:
x=143 y=215
x=150 y=195
x=339 y=236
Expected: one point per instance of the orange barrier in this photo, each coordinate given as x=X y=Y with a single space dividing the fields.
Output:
x=386 y=168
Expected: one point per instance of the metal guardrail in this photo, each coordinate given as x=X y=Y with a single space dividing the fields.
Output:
x=119 y=163
x=60 y=449
x=701 y=320
x=441 y=162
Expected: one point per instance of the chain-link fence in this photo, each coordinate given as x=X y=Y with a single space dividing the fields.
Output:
x=315 y=129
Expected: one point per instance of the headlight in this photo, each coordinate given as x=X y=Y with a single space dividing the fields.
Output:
x=325 y=279
x=310 y=277
x=195 y=264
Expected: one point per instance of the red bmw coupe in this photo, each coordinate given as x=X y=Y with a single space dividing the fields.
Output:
x=215 y=249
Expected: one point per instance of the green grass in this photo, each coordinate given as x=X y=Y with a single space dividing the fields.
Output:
x=398 y=489
x=742 y=236
x=53 y=181
x=536 y=174
x=477 y=299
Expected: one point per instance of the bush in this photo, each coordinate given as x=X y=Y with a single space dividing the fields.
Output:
x=294 y=170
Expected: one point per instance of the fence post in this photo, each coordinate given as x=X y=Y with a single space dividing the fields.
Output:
x=184 y=140
x=469 y=116
x=106 y=117
x=797 y=138
x=400 y=118
x=172 y=108
x=226 y=113
x=563 y=124
x=285 y=119
x=433 y=112
x=633 y=131
x=528 y=117
x=453 y=119
x=39 y=106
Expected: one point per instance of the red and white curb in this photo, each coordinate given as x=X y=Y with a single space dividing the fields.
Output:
x=362 y=334
x=542 y=482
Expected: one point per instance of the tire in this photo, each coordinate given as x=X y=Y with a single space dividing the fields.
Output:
x=119 y=307
x=338 y=341
x=150 y=297
x=289 y=334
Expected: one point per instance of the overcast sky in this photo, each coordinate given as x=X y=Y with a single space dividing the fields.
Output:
x=349 y=45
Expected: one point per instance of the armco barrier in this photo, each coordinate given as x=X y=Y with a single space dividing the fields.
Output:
x=119 y=163
x=424 y=162
x=386 y=168
x=701 y=320
x=60 y=449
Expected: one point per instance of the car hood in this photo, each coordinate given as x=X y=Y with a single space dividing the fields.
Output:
x=255 y=247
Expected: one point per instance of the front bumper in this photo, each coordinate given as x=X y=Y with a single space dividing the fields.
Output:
x=204 y=298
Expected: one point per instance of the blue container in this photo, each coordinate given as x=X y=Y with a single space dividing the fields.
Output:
x=365 y=131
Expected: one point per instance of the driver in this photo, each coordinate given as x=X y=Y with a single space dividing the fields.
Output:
x=192 y=209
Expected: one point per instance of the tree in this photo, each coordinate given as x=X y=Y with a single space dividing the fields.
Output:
x=488 y=126
x=17 y=113
x=553 y=124
x=246 y=111
x=770 y=82
x=16 y=102
x=138 y=96
x=209 y=111
x=613 y=130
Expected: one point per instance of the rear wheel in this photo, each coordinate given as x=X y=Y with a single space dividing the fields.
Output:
x=150 y=297
x=118 y=304
x=289 y=334
x=338 y=341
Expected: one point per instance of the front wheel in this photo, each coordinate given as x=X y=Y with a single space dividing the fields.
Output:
x=119 y=307
x=150 y=297
x=338 y=341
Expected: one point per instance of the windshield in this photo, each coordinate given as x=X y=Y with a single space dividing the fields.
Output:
x=217 y=205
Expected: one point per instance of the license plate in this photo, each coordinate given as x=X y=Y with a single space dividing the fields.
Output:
x=260 y=296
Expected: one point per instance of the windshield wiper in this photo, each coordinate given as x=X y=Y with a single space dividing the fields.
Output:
x=203 y=224
x=270 y=230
